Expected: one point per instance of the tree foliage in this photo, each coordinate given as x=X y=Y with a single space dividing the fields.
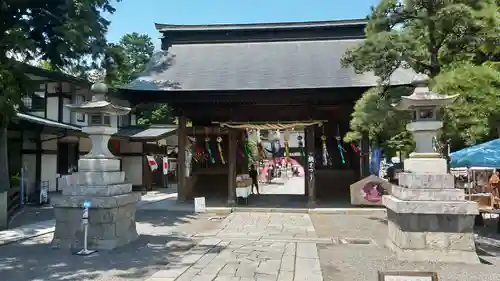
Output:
x=474 y=116
x=156 y=114
x=427 y=36
x=58 y=31
x=123 y=62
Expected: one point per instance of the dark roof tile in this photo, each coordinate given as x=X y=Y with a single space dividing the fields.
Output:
x=254 y=66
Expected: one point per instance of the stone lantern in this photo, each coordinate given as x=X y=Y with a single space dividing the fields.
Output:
x=99 y=181
x=428 y=218
x=424 y=105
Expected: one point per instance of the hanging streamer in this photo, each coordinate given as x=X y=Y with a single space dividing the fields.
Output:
x=354 y=148
x=325 y=151
x=209 y=150
x=219 y=147
x=339 y=145
x=326 y=156
x=301 y=146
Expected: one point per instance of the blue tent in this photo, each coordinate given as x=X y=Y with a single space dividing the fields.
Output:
x=482 y=155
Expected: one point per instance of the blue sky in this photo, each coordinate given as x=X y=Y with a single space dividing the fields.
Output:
x=140 y=15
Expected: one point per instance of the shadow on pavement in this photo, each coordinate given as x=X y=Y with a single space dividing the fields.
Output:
x=159 y=246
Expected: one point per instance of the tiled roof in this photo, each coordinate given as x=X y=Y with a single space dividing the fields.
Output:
x=254 y=66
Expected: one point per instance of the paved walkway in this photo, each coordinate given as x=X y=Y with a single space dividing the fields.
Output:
x=251 y=246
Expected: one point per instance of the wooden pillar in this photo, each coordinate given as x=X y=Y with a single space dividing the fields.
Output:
x=231 y=181
x=364 y=164
x=181 y=159
x=310 y=166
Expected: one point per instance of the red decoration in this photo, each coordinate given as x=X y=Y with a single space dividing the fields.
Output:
x=115 y=144
x=354 y=148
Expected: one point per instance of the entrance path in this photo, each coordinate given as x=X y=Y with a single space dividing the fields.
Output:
x=292 y=185
x=252 y=246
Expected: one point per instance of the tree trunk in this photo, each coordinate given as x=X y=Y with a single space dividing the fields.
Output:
x=4 y=178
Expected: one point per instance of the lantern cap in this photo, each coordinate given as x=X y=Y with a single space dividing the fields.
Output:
x=422 y=96
x=99 y=104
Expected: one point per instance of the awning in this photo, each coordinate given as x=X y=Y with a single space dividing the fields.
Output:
x=147 y=132
x=47 y=122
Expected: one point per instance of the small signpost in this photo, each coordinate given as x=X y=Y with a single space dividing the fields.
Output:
x=85 y=222
x=199 y=205
x=407 y=276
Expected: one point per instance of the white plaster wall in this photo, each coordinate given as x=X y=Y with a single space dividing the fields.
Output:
x=29 y=173
x=132 y=166
x=66 y=118
x=133 y=119
x=84 y=92
x=53 y=108
x=49 y=170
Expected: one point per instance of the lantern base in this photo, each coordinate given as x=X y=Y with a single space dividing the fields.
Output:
x=425 y=155
x=426 y=165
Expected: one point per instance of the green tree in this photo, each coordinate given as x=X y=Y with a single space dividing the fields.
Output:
x=156 y=114
x=474 y=116
x=57 y=31
x=123 y=62
x=427 y=36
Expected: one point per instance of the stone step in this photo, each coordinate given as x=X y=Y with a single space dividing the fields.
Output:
x=98 y=178
x=104 y=165
x=98 y=190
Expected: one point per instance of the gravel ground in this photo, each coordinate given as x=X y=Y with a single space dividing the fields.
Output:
x=362 y=262
x=165 y=236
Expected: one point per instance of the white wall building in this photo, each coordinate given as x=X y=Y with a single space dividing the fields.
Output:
x=47 y=141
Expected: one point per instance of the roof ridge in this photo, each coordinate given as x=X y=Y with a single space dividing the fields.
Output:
x=303 y=24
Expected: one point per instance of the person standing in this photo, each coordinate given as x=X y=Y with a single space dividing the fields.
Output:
x=253 y=175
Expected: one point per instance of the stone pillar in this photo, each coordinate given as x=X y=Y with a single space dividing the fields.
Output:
x=181 y=159
x=231 y=176
x=311 y=167
x=428 y=218
x=100 y=181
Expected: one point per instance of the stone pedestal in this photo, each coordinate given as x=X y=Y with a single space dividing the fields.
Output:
x=113 y=204
x=429 y=219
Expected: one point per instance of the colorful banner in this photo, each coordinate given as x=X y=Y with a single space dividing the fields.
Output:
x=152 y=163
x=165 y=165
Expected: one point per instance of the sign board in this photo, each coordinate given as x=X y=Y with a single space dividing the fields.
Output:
x=407 y=276
x=199 y=205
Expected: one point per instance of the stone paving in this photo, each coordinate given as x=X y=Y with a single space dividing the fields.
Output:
x=252 y=246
